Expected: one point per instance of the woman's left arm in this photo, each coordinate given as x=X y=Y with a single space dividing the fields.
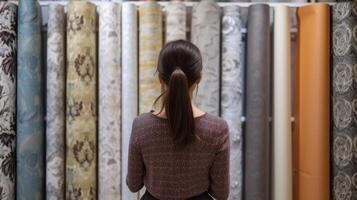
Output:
x=136 y=168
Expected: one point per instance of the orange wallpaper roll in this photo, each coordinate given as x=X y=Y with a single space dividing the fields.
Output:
x=312 y=103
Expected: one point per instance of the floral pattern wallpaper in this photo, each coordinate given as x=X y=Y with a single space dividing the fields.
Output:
x=8 y=13
x=55 y=103
x=81 y=101
x=344 y=99
x=109 y=135
x=176 y=21
x=232 y=92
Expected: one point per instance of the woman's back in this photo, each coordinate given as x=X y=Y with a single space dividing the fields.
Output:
x=169 y=173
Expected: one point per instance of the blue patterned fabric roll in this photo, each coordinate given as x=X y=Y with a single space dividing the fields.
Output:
x=30 y=105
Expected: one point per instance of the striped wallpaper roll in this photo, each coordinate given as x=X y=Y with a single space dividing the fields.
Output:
x=344 y=100
x=150 y=44
x=55 y=112
x=312 y=104
x=7 y=100
x=257 y=135
x=205 y=34
x=176 y=13
x=232 y=91
x=129 y=84
x=81 y=119
x=282 y=133
x=30 y=105
x=109 y=136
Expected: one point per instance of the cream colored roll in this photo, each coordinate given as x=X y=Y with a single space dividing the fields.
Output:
x=282 y=149
x=81 y=119
x=150 y=44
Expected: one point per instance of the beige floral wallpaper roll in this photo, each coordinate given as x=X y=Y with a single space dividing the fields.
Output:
x=205 y=33
x=109 y=135
x=150 y=44
x=81 y=101
x=176 y=14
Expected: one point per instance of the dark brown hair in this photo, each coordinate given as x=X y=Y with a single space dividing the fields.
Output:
x=179 y=67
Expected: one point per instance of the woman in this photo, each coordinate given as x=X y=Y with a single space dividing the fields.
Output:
x=179 y=151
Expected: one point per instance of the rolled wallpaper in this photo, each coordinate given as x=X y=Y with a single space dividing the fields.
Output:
x=81 y=101
x=30 y=105
x=344 y=100
x=55 y=111
x=109 y=136
x=7 y=100
x=282 y=133
x=129 y=84
x=257 y=137
x=176 y=13
x=205 y=34
x=232 y=90
x=150 y=44
x=312 y=104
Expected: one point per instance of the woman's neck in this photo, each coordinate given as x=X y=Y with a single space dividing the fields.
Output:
x=196 y=112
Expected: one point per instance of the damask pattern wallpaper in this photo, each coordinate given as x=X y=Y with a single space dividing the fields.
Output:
x=8 y=13
x=344 y=99
x=81 y=102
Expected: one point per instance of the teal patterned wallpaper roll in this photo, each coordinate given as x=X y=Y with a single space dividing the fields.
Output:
x=30 y=105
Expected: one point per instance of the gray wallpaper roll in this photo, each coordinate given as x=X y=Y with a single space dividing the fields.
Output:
x=256 y=179
x=344 y=99
x=129 y=84
x=232 y=89
x=176 y=13
x=205 y=34
x=55 y=109
x=7 y=100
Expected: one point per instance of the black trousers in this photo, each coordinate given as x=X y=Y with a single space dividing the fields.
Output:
x=203 y=196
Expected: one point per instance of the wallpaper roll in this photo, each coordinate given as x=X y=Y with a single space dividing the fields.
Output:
x=257 y=138
x=7 y=100
x=282 y=135
x=205 y=34
x=30 y=105
x=109 y=168
x=129 y=84
x=150 y=44
x=344 y=99
x=312 y=105
x=175 y=21
x=232 y=89
x=81 y=101
x=55 y=114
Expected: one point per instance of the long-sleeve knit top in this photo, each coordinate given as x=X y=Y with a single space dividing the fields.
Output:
x=170 y=174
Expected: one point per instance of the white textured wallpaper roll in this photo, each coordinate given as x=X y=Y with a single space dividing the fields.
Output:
x=129 y=84
x=109 y=135
x=205 y=34
x=176 y=13
x=282 y=134
x=232 y=91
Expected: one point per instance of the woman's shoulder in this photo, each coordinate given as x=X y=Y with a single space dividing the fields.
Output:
x=213 y=127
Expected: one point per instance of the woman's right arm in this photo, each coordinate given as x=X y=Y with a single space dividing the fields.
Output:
x=219 y=172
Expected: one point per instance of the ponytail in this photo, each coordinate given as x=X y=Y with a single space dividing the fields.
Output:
x=178 y=108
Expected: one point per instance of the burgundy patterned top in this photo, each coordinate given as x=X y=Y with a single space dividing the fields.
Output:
x=169 y=174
